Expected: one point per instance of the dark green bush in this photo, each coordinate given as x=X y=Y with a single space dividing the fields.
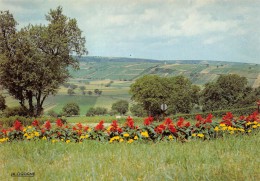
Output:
x=236 y=112
x=52 y=113
x=97 y=111
x=71 y=109
x=9 y=122
x=15 y=111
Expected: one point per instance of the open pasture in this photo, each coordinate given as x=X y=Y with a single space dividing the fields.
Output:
x=226 y=158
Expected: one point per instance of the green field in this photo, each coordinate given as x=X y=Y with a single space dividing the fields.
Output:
x=228 y=158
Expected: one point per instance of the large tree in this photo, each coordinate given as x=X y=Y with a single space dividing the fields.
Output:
x=152 y=91
x=227 y=92
x=34 y=61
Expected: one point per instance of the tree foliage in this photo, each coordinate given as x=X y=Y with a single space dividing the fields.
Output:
x=2 y=102
x=71 y=109
x=152 y=91
x=34 y=61
x=227 y=92
x=120 y=106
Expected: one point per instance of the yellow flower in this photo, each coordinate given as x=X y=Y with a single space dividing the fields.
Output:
x=89 y=129
x=29 y=127
x=44 y=138
x=249 y=131
x=108 y=129
x=216 y=129
x=222 y=125
x=116 y=137
x=136 y=137
x=86 y=136
x=231 y=132
x=25 y=134
x=126 y=135
x=121 y=140
x=36 y=134
x=130 y=141
x=255 y=126
x=224 y=128
x=230 y=128
x=255 y=122
x=24 y=129
x=82 y=137
x=67 y=141
x=80 y=142
x=62 y=139
x=248 y=123
x=53 y=141
x=193 y=134
x=28 y=137
x=145 y=134
x=242 y=130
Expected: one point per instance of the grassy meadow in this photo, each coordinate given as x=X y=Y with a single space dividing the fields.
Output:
x=227 y=158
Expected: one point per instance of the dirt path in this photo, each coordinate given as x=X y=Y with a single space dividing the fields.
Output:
x=91 y=125
x=257 y=82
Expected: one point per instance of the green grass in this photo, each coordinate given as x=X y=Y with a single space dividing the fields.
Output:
x=85 y=102
x=228 y=158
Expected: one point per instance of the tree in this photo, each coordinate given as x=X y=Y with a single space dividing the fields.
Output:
x=71 y=92
x=71 y=109
x=138 y=110
x=90 y=93
x=2 y=102
x=82 y=88
x=73 y=86
x=96 y=91
x=152 y=91
x=34 y=61
x=225 y=93
x=66 y=85
x=120 y=106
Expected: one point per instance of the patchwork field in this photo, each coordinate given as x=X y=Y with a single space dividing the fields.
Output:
x=97 y=72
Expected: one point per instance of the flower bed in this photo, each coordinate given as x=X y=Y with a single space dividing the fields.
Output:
x=204 y=129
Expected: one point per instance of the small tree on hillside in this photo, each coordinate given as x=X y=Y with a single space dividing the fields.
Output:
x=71 y=92
x=71 y=109
x=90 y=93
x=120 y=106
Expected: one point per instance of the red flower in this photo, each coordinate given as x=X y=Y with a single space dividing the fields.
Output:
x=187 y=124
x=36 y=123
x=148 y=121
x=43 y=131
x=100 y=126
x=1 y=125
x=48 y=125
x=197 y=125
x=168 y=121
x=86 y=129
x=79 y=132
x=172 y=129
x=59 y=123
x=74 y=128
x=79 y=126
x=66 y=126
x=199 y=118
x=18 y=126
x=59 y=133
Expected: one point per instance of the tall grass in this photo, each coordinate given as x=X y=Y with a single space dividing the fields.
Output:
x=228 y=158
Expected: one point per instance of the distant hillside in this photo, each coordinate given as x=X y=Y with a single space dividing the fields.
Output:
x=198 y=71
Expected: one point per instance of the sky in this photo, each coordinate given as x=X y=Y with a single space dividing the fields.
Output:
x=223 y=30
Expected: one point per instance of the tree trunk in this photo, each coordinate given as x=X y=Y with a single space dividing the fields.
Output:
x=30 y=101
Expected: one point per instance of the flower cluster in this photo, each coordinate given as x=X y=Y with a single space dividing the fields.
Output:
x=204 y=128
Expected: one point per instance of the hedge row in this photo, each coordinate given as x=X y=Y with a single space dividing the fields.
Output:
x=218 y=114
x=9 y=122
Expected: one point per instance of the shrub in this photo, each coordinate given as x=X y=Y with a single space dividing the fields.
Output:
x=71 y=109
x=96 y=111
x=52 y=113
x=120 y=106
x=15 y=111
x=9 y=121
x=220 y=113
x=2 y=102
x=138 y=110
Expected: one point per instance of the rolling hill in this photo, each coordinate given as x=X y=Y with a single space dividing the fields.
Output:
x=198 y=71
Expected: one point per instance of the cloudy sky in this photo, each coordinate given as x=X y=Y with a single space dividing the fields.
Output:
x=225 y=30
